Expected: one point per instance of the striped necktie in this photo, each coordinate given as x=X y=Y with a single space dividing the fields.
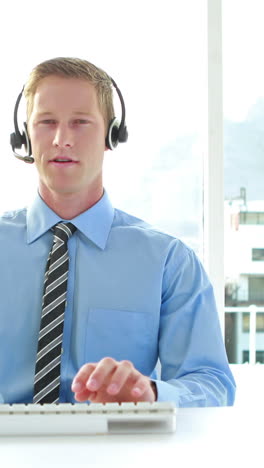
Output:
x=47 y=370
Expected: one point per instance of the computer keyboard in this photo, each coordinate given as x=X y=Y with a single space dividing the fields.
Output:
x=86 y=418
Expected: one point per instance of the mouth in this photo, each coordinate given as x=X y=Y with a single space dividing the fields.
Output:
x=62 y=161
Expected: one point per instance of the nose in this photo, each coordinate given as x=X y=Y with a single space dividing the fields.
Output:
x=63 y=136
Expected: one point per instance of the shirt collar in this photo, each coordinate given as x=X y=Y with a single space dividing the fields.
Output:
x=94 y=223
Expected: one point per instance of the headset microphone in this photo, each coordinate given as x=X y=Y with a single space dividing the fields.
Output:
x=117 y=132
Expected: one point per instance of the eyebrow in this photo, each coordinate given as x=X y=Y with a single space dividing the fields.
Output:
x=40 y=114
x=74 y=112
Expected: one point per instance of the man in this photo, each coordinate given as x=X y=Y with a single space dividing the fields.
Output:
x=134 y=294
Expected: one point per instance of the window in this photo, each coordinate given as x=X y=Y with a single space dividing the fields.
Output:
x=259 y=356
x=243 y=99
x=259 y=322
x=251 y=218
x=256 y=289
x=257 y=255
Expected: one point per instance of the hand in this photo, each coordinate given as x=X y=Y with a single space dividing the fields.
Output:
x=112 y=381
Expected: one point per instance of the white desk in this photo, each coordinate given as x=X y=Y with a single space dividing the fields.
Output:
x=229 y=437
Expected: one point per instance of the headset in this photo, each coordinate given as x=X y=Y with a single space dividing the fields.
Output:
x=117 y=132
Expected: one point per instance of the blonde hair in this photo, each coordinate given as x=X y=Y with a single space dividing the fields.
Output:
x=71 y=67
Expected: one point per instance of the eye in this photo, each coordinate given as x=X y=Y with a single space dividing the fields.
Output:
x=81 y=121
x=47 y=122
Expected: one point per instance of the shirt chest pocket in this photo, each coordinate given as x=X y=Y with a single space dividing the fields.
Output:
x=120 y=334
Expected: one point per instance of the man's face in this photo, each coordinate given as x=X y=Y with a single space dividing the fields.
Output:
x=67 y=133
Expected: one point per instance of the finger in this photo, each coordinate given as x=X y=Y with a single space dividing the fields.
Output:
x=124 y=372
x=79 y=381
x=141 y=387
x=101 y=374
x=85 y=395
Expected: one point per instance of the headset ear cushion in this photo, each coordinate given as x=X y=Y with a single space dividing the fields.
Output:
x=17 y=140
x=112 y=137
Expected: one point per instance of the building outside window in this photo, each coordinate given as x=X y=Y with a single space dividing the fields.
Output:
x=243 y=101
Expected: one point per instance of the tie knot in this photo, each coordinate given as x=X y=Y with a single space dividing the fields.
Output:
x=63 y=231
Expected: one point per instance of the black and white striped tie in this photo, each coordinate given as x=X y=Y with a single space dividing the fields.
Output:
x=47 y=370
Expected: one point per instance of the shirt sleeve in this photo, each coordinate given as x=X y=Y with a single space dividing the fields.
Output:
x=194 y=365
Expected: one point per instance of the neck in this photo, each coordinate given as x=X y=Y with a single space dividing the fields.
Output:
x=69 y=205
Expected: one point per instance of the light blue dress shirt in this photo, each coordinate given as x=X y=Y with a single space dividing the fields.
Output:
x=134 y=293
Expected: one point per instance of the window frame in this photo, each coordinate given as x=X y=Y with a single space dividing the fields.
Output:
x=214 y=160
